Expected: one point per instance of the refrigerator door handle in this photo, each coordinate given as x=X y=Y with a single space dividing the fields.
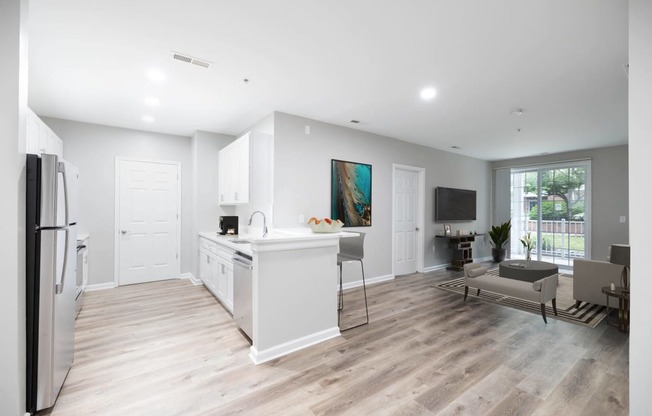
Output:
x=62 y=169
x=58 y=287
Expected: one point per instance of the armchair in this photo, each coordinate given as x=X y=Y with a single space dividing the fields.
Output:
x=589 y=276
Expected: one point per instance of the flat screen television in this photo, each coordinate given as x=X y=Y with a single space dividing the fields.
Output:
x=454 y=204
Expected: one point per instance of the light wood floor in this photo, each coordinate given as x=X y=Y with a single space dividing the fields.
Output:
x=169 y=348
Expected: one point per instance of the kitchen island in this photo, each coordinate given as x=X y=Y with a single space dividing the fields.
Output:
x=294 y=288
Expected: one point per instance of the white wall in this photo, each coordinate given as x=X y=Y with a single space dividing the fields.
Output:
x=93 y=148
x=609 y=192
x=13 y=107
x=640 y=150
x=205 y=149
x=302 y=172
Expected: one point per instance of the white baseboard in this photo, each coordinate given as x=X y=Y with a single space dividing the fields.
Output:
x=99 y=286
x=369 y=281
x=436 y=267
x=443 y=266
x=192 y=278
x=259 y=357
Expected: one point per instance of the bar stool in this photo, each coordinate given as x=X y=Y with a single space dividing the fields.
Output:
x=351 y=249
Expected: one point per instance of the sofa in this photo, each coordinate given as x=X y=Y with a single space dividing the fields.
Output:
x=541 y=291
x=589 y=276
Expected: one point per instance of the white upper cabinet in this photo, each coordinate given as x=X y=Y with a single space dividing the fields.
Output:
x=41 y=138
x=234 y=166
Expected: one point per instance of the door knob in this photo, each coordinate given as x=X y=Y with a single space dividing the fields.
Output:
x=416 y=229
x=123 y=232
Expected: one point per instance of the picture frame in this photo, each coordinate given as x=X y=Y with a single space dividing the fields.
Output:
x=351 y=193
x=447 y=230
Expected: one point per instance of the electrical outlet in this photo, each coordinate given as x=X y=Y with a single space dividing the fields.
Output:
x=623 y=219
x=302 y=219
x=307 y=129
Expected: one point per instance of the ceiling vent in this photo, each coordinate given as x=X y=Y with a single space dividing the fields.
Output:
x=191 y=60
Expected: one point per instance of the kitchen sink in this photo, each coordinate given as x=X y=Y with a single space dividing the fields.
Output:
x=239 y=241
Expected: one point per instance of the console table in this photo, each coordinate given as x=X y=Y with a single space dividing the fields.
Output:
x=462 y=251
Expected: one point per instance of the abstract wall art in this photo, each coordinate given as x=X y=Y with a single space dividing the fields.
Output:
x=351 y=193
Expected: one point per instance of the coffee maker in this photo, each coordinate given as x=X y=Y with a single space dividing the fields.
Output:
x=228 y=225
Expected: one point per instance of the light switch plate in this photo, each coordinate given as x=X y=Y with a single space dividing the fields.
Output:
x=302 y=219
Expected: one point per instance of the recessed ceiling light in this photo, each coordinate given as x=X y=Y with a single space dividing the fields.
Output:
x=152 y=102
x=156 y=75
x=148 y=119
x=428 y=93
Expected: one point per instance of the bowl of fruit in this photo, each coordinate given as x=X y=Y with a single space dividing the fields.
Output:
x=324 y=226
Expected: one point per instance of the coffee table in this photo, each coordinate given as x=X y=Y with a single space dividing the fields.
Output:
x=526 y=271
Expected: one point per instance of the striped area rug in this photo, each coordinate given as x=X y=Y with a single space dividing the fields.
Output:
x=587 y=315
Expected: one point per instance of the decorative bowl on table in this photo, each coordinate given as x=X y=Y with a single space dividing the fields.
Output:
x=325 y=226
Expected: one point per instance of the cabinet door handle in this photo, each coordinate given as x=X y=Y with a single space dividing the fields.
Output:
x=235 y=196
x=222 y=197
x=208 y=260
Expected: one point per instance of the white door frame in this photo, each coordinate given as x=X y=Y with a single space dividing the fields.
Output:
x=116 y=221
x=421 y=202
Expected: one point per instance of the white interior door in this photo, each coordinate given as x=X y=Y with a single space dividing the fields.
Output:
x=406 y=221
x=148 y=221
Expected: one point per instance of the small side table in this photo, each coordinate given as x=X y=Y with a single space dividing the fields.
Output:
x=623 y=307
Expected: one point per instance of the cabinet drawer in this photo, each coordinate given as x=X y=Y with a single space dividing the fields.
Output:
x=225 y=253
x=208 y=245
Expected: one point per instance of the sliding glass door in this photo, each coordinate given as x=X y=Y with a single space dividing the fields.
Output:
x=552 y=203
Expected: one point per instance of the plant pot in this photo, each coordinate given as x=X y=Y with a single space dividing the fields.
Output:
x=498 y=254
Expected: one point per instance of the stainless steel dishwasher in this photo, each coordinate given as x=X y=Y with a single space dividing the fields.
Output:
x=243 y=292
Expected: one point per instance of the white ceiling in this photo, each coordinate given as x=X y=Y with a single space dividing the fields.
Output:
x=562 y=61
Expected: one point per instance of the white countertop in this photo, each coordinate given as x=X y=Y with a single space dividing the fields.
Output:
x=276 y=236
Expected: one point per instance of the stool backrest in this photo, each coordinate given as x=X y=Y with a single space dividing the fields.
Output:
x=353 y=247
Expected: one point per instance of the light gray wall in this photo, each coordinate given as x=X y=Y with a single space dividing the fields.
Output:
x=205 y=149
x=609 y=192
x=93 y=149
x=13 y=107
x=302 y=169
x=640 y=149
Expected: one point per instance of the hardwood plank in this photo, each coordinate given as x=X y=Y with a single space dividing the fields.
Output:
x=169 y=348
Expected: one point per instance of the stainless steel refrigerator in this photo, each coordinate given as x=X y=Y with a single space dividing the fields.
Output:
x=51 y=282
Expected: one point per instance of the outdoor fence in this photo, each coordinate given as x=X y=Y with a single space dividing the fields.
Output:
x=564 y=229
x=557 y=227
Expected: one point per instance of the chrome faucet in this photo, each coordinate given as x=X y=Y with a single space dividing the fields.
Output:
x=264 y=221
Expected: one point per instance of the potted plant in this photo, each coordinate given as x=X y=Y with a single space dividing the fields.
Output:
x=499 y=236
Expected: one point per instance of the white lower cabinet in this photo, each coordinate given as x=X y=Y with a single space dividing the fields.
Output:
x=216 y=270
